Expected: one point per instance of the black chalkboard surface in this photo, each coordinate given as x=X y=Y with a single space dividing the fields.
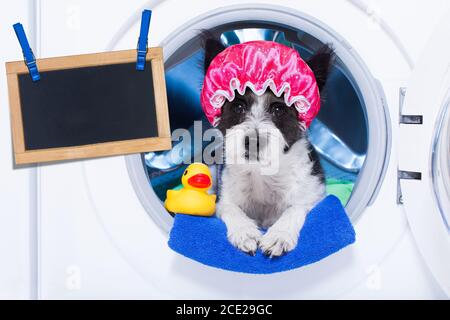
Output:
x=87 y=109
x=87 y=105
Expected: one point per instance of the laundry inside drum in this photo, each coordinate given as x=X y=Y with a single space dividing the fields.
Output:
x=339 y=133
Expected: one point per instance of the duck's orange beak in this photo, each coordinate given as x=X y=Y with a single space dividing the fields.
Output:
x=199 y=180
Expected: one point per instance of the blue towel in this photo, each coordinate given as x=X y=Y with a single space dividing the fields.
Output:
x=327 y=230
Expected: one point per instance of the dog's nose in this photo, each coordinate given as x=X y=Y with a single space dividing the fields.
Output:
x=253 y=141
x=252 y=145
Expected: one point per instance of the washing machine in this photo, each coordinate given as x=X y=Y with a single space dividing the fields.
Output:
x=382 y=135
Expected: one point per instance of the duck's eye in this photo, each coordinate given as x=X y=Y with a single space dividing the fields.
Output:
x=238 y=106
x=185 y=173
x=277 y=109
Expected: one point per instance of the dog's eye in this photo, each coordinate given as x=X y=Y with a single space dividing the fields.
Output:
x=238 y=107
x=277 y=109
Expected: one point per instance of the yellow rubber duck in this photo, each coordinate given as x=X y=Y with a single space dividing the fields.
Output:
x=193 y=198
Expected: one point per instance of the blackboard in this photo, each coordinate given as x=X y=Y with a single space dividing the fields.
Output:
x=88 y=106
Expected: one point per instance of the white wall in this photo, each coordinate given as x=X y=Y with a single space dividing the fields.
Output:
x=15 y=189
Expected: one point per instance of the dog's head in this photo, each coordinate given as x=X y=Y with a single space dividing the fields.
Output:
x=257 y=122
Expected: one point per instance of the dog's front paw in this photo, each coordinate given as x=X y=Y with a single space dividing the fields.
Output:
x=245 y=238
x=276 y=242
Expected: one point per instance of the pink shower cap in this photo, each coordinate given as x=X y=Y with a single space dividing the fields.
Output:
x=259 y=65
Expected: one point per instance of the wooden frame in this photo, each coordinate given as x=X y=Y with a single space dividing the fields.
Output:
x=162 y=142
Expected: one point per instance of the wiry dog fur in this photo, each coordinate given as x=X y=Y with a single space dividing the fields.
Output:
x=280 y=200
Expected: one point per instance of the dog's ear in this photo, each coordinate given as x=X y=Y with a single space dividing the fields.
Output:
x=321 y=63
x=212 y=45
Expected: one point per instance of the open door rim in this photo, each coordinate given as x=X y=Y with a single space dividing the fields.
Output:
x=428 y=93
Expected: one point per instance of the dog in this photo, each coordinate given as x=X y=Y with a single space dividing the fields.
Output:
x=261 y=131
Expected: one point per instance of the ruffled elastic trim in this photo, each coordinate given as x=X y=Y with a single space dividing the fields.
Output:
x=302 y=105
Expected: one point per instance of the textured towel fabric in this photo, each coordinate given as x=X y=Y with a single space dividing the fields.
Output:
x=327 y=230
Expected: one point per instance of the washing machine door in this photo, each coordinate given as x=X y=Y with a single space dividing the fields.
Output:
x=424 y=154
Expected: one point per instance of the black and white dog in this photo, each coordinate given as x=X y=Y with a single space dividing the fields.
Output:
x=279 y=201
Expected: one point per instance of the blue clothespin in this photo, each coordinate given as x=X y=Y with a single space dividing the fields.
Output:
x=143 y=40
x=28 y=55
